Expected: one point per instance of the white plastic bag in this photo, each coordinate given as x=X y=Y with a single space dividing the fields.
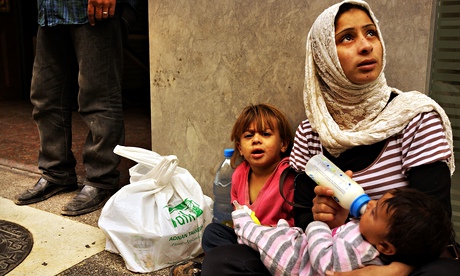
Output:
x=159 y=218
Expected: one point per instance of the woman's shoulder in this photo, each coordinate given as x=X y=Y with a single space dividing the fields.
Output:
x=305 y=126
x=306 y=144
x=305 y=134
x=424 y=140
x=429 y=123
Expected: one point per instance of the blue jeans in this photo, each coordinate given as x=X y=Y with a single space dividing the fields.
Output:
x=80 y=64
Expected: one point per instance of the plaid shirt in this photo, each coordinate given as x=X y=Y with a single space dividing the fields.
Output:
x=66 y=12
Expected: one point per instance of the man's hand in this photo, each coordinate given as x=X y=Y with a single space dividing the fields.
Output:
x=100 y=9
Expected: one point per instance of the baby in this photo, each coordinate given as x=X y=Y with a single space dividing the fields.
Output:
x=404 y=225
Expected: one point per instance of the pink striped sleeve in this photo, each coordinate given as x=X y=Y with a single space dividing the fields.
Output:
x=345 y=251
x=282 y=249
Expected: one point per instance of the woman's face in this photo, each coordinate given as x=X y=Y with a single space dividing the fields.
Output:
x=358 y=46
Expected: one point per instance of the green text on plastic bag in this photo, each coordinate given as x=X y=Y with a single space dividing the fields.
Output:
x=185 y=212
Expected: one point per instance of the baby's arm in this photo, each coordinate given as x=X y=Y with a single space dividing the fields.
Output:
x=346 y=251
x=288 y=250
x=327 y=252
x=282 y=249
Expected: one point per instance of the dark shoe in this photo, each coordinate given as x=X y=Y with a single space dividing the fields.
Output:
x=42 y=190
x=88 y=200
x=186 y=268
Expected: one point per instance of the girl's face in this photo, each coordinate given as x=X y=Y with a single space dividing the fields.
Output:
x=263 y=148
x=358 y=46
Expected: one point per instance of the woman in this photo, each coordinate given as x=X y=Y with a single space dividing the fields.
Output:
x=388 y=138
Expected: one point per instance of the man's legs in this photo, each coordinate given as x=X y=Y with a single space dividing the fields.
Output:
x=53 y=84
x=99 y=51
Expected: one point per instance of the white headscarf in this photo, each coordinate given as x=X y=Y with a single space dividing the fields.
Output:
x=345 y=114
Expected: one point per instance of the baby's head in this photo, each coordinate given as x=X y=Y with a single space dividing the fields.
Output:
x=265 y=120
x=407 y=226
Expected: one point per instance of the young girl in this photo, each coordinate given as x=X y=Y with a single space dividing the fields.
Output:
x=263 y=141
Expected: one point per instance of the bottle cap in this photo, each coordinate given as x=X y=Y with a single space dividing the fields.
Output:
x=228 y=152
x=356 y=208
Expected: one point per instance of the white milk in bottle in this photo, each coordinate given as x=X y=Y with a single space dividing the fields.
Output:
x=347 y=192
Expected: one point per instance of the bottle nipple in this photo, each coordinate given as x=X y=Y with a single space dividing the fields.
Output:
x=358 y=207
x=363 y=209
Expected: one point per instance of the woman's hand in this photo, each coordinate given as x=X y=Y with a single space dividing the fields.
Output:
x=326 y=209
x=393 y=269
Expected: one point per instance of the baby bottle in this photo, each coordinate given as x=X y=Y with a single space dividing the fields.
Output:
x=347 y=192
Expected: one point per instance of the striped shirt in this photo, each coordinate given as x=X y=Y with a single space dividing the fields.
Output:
x=288 y=250
x=70 y=12
x=421 y=142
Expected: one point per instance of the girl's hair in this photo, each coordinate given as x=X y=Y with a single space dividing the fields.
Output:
x=264 y=116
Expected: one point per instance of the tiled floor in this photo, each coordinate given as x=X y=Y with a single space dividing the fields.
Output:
x=19 y=142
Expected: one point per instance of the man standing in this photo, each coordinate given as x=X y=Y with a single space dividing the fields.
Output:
x=78 y=42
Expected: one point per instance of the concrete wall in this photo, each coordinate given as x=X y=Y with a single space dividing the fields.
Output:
x=211 y=58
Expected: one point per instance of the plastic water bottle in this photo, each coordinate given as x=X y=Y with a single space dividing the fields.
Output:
x=222 y=185
x=347 y=192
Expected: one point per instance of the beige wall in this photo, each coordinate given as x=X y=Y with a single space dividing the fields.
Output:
x=211 y=58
